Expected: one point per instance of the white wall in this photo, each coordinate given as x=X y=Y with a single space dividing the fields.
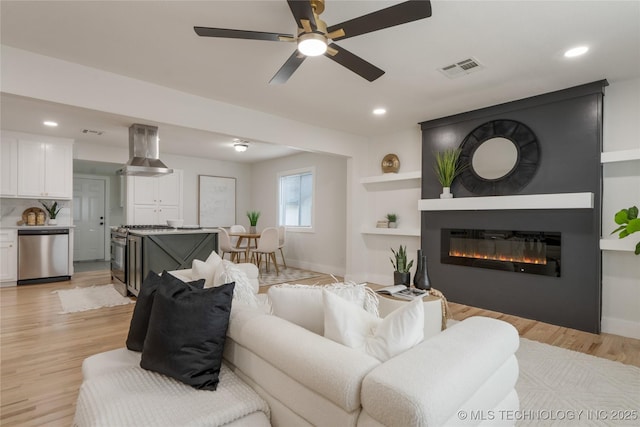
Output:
x=324 y=248
x=621 y=189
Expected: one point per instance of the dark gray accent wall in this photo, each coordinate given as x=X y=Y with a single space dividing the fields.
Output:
x=568 y=125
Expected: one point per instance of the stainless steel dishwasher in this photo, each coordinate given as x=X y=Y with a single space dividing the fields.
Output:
x=43 y=255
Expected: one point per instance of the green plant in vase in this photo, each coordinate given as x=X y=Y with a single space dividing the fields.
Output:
x=629 y=223
x=253 y=219
x=393 y=220
x=401 y=275
x=447 y=168
x=53 y=210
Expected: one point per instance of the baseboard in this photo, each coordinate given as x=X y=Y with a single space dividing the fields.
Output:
x=625 y=328
x=8 y=284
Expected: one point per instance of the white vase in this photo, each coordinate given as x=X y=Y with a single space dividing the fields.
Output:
x=53 y=221
x=446 y=193
x=393 y=224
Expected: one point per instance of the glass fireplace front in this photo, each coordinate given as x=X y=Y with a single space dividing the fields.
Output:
x=529 y=252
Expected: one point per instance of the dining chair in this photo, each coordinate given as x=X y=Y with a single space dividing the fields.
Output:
x=281 y=236
x=267 y=245
x=224 y=242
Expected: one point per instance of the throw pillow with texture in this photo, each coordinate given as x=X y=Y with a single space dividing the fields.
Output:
x=350 y=325
x=203 y=270
x=303 y=304
x=244 y=292
x=144 y=303
x=186 y=334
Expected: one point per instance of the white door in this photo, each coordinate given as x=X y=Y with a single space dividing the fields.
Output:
x=89 y=218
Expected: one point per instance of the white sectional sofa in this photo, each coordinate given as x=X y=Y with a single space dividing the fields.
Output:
x=464 y=375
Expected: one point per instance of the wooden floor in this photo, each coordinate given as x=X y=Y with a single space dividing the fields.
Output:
x=41 y=351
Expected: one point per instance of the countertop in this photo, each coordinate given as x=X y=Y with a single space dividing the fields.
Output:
x=36 y=227
x=172 y=231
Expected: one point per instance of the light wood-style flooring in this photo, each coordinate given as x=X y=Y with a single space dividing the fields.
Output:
x=41 y=351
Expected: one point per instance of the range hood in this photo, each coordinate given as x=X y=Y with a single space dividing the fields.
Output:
x=144 y=153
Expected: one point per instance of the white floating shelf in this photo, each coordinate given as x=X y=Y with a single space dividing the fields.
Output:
x=620 y=156
x=627 y=244
x=391 y=177
x=532 y=201
x=391 y=231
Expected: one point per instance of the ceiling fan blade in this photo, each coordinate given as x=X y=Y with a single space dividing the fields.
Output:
x=354 y=63
x=289 y=67
x=402 y=13
x=301 y=9
x=241 y=34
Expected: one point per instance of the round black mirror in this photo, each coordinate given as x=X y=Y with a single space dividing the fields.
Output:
x=502 y=158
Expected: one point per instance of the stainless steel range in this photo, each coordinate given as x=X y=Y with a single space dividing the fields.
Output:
x=120 y=253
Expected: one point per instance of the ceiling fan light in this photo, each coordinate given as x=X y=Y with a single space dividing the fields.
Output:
x=312 y=44
x=241 y=146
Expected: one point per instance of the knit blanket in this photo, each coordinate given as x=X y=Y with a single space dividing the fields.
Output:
x=132 y=396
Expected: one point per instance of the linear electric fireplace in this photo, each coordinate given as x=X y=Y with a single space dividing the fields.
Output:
x=517 y=251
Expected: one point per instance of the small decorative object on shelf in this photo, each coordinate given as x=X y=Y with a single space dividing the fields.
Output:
x=382 y=224
x=253 y=220
x=390 y=164
x=629 y=223
x=393 y=220
x=401 y=275
x=53 y=211
x=421 y=278
x=447 y=168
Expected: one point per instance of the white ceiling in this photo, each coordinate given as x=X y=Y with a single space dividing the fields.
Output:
x=520 y=43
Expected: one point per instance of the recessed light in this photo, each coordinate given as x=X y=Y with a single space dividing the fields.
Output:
x=241 y=146
x=380 y=111
x=50 y=123
x=576 y=51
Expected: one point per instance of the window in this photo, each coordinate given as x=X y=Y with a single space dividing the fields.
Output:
x=295 y=205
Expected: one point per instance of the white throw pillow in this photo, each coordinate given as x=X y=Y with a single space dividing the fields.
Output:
x=244 y=290
x=206 y=269
x=303 y=305
x=350 y=325
x=203 y=270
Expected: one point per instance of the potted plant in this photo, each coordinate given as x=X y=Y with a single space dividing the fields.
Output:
x=401 y=275
x=393 y=220
x=253 y=220
x=447 y=168
x=53 y=211
x=629 y=223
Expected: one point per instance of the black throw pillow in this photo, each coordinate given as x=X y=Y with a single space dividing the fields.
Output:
x=144 y=302
x=186 y=334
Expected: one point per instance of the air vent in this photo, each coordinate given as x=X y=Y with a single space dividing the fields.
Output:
x=92 y=131
x=464 y=67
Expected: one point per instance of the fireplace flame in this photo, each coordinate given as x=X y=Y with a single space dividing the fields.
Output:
x=499 y=257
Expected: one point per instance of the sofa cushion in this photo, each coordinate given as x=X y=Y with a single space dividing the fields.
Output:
x=206 y=269
x=187 y=331
x=303 y=304
x=244 y=291
x=348 y=324
x=144 y=303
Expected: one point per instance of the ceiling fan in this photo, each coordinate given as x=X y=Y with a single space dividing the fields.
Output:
x=314 y=38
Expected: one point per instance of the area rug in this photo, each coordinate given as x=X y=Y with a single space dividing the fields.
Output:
x=559 y=387
x=287 y=275
x=90 y=298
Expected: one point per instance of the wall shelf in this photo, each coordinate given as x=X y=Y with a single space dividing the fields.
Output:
x=532 y=201
x=391 y=231
x=627 y=245
x=391 y=177
x=620 y=156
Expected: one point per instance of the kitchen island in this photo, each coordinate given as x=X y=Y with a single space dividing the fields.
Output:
x=170 y=249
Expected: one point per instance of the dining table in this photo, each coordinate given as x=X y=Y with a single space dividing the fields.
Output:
x=252 y=240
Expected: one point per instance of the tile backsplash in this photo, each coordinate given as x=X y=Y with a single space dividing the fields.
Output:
x=11 y=210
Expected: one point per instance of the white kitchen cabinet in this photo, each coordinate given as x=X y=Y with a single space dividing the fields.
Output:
x=8 y=256
x=45 y=167
x=153 y=200
x=8 y=166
